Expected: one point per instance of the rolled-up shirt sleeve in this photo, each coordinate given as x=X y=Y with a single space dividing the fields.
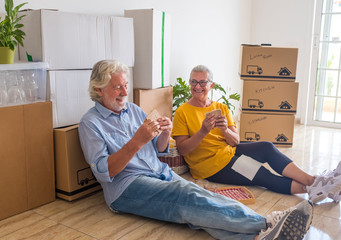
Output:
x=166 y=152
x=95 y=151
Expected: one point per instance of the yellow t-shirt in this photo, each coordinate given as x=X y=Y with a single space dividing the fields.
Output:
x=213 y=153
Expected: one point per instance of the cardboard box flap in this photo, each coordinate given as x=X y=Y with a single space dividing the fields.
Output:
x=160 y=99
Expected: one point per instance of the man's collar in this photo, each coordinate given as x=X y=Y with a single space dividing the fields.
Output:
x=105 y=112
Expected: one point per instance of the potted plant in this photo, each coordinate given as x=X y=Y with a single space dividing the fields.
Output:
x=182 y=93
x=10 y=32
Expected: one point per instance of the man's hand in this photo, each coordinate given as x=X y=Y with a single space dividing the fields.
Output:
x=147 y=131
x=166 y=128
x=165 y=124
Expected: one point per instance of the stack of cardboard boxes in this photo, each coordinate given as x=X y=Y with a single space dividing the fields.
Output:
x=269 y=98
x=151 y=70
x=71 y=44
x=26 y=139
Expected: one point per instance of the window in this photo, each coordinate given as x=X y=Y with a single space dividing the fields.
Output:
x=327 y=97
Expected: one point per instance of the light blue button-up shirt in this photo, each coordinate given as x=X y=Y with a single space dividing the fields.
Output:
x=103 y=132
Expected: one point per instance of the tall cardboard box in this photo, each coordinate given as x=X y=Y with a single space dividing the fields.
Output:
x=76 y=41
x=152 y=47
x=270 y=97
x=26 y=156
x=74 y=178
x=278 y=129
x=160 y=99
x=268 y=63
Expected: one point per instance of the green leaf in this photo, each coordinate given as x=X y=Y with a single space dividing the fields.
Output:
x=218 y=87
x=11 y=34
x=8 y=6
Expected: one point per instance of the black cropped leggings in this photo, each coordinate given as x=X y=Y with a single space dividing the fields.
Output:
x=264 y=152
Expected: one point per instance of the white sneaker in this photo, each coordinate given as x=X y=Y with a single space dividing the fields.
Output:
x=328 y=184
x=336 y=196
x=289 y=224
x=336 y=173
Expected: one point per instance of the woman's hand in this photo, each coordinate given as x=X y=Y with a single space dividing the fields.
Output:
x=221 y=123
x=208 y=124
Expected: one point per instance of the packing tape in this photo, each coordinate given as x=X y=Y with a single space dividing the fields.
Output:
x=246 y=166
x=162 y=50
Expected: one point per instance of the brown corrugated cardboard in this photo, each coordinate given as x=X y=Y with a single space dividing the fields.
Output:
x=152 y=47
x=74 y=178
x=278 y=129
x=89 y=39
x=160 y=99
x=268 y=63
x=26 y=156
x=270 y=97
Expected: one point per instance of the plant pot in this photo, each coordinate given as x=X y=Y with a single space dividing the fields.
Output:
x=6 y=55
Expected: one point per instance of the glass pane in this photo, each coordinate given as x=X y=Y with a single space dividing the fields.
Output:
x=331 y=55
x=326 y=82
x=324 y=6
x=324 y=109
x=336 y=5
x=324 y=35
x=338 y=111
x=335 y=33
x=339 y=92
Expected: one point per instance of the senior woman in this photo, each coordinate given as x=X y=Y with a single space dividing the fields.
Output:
x=211 y=147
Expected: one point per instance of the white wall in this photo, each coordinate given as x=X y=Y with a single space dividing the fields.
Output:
x=288 y=24
x=210 y=32
x=205 y=32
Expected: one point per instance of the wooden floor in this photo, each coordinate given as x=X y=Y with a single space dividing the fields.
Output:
x=314 y=150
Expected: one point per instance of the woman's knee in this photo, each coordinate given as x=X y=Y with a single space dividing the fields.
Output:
x=268 y=144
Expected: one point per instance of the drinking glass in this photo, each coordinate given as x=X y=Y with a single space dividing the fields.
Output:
x=3 y=91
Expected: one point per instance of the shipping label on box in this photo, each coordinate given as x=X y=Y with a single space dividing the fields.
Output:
x=270 y=97
x=278 y=129
x=268 y=63
x=160 y=99
x=89 y=39
x=74 y=178
x=152 y=47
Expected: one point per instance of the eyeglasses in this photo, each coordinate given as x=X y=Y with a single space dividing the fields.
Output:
x=202 y=83
x=120 y=87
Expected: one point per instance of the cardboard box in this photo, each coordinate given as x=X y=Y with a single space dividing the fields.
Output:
x=26 y=156
x=268 y=63
x=74 y=178
x=278 y=129
x=152 y=47
x=160 y=99
x=76 y=41
x=270 y=97
x=68 y=91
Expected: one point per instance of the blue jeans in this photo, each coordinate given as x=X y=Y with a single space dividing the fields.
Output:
x=181 y=201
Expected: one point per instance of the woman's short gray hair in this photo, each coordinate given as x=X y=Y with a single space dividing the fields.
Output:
x=202 y=68
x=101 y=75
